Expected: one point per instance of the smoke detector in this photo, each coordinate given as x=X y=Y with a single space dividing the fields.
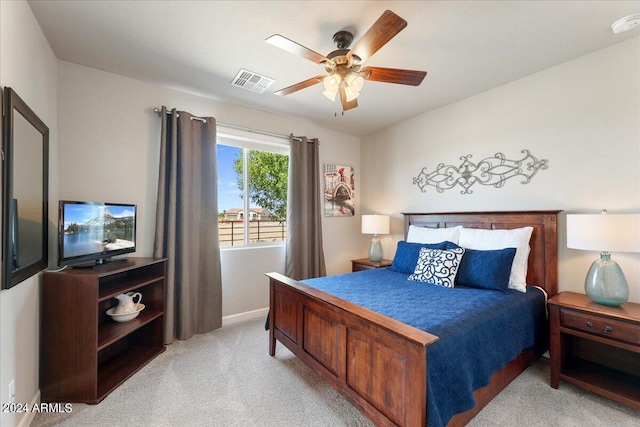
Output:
x=251 y=81
x=625 y=24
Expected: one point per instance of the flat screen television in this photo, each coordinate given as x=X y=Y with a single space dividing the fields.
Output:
x=91 y=233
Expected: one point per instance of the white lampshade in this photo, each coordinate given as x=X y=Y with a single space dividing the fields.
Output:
x=350 y=95
x=354 y=82
x=604 y=232
x=331 y=96
x=375 y=224
x=331 y=82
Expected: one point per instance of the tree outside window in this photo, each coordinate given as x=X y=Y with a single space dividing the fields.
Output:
x=252 y=193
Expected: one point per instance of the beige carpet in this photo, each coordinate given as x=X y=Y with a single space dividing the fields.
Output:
x=226 y=378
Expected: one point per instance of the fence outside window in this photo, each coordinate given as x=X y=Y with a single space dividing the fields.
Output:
x=232 y=232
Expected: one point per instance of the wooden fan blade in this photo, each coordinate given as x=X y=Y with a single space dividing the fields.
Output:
x=296 y=87
x=346 y=105
x=290 y=46
x=383 y=30
x=393 y=75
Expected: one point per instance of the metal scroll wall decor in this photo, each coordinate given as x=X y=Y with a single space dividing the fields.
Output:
x=494 y=171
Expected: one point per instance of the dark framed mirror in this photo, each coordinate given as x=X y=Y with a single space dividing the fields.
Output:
x=25 y=191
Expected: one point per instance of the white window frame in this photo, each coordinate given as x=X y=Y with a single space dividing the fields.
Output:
x=250 y=141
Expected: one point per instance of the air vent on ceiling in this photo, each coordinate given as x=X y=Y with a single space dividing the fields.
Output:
x=251 y=81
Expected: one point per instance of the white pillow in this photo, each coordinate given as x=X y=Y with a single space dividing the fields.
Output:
x=433 y=235
x=474 y=238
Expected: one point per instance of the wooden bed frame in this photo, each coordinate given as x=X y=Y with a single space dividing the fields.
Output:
x=379 y=364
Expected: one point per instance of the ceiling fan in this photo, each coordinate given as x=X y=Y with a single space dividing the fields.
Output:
x=345 y=77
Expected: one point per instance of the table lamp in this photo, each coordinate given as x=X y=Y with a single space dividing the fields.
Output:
x=605 y=282
x=375 y=224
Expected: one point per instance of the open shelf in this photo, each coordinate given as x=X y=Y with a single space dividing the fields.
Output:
x=112 y=331
x=606 y=381
x=97 y=353
x=117 y=288
x=116 y=371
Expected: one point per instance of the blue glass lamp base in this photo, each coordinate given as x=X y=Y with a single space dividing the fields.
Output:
x=375 y=249
x=605 y=283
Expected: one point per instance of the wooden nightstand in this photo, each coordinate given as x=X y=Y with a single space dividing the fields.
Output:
x=596 y=347
x=365 y=264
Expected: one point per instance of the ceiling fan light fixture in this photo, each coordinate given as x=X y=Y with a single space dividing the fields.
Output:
x=350 y=94
x=354 y=82
x=332 y=82
x=331 y=96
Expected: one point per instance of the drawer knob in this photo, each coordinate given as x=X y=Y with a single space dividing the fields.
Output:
x=606 y=328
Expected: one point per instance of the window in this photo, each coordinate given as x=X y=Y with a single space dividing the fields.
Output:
x=252 y=188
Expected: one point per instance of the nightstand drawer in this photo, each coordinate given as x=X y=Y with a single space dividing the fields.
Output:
x=602 y=326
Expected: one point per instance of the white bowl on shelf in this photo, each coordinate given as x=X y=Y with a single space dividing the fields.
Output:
x=125 y=317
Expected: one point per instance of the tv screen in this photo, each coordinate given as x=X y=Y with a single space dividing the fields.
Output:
x=92 y=233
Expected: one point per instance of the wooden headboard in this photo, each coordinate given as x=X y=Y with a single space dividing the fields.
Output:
x=543 y=258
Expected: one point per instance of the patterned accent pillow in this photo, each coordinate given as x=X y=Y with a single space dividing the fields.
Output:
x=437 y=266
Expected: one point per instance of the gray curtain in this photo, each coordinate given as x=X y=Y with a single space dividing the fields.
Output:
x=304 y=253
x=187 y=225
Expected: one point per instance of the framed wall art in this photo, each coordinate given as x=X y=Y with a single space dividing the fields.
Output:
x=339 y=190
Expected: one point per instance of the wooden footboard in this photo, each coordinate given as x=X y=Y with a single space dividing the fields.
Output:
x=375 y=362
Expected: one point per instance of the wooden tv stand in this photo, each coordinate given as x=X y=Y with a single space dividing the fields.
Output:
x=84 y=354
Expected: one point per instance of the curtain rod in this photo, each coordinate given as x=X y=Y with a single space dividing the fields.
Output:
x=158 y=110
x=247 y=129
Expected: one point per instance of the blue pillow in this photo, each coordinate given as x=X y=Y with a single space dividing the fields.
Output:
x=486 y=269
x=407 y=254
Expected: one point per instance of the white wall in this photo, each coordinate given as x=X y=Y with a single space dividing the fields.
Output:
x=27 y=65
x=109 y=150
x=583 y=116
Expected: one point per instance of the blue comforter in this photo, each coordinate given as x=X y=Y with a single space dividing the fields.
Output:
x=479 y=330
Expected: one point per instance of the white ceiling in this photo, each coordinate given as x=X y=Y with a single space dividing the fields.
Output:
x=467 y=47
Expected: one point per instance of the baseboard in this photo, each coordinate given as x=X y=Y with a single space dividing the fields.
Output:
x=243 y=317
x=28 y=417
